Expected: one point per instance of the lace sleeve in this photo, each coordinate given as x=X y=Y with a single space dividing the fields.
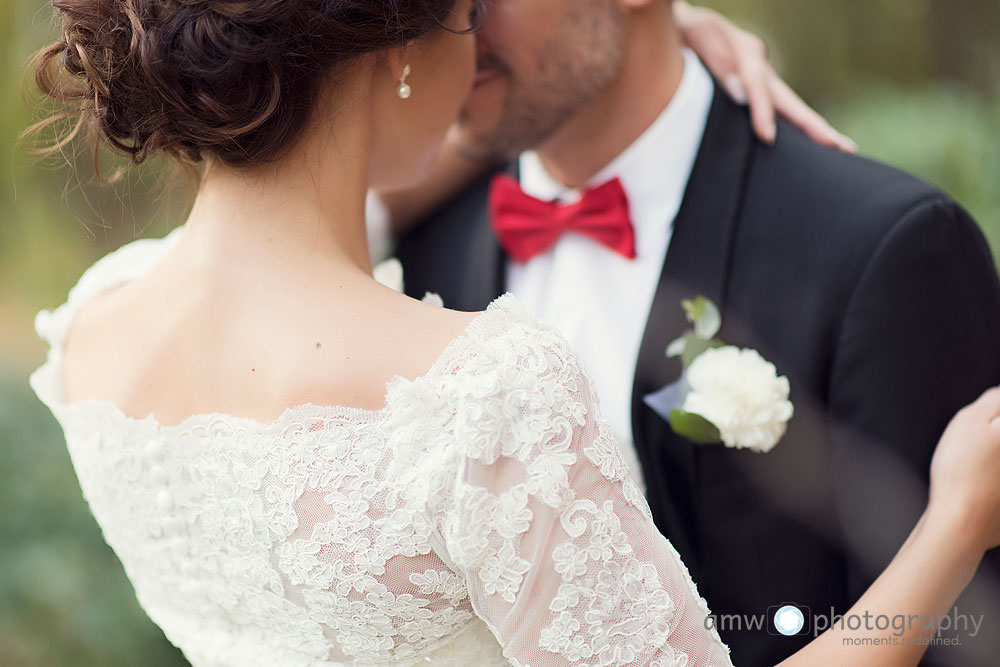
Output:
x=554 y=540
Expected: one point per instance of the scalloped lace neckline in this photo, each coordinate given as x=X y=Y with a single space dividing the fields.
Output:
x=361 y=416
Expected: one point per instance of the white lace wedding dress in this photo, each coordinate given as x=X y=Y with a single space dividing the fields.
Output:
x=483 y=517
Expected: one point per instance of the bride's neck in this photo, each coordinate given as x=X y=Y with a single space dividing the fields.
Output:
x=306 y=206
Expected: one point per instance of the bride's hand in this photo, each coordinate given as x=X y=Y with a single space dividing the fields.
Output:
x=739 y=60
x=965 y=472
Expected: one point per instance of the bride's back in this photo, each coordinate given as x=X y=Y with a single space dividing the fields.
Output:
x=181 y=341
x=291 y=540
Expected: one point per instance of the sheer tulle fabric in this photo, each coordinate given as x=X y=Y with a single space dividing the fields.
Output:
x=483 y=517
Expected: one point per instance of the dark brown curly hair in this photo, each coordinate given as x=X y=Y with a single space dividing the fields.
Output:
x=233 y=78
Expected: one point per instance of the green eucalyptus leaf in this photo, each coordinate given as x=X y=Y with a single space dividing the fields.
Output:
x=704 y=315
x=693 y=308
x=694 y=427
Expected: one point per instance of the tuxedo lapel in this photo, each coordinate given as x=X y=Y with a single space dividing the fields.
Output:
x=697 y=262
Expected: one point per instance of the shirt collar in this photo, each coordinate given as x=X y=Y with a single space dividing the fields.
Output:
x=656 y=166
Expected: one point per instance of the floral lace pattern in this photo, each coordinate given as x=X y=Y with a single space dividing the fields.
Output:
x=483 y=517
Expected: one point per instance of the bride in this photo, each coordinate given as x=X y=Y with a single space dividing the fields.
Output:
x=470 y=507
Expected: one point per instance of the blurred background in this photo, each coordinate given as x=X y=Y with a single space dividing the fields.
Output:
x=915 y=82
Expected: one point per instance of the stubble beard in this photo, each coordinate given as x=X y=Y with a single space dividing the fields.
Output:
x=575 y=66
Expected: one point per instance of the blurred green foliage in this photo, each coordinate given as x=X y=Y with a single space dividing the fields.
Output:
x=915 y=82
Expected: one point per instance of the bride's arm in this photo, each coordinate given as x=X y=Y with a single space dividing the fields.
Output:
x=939 y=558
x=738 y=59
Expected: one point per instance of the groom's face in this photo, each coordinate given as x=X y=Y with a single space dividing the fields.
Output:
x=539 y=61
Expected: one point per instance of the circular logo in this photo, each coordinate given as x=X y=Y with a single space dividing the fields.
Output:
x=789 y=620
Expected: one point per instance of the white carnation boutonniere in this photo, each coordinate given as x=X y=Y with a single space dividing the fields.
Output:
x=726 y=394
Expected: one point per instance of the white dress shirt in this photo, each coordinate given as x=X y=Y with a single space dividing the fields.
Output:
x=597 y=298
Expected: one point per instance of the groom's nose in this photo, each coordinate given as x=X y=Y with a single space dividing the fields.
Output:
x=486 y=57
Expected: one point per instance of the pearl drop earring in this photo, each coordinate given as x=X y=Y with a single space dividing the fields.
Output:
x=404 y=89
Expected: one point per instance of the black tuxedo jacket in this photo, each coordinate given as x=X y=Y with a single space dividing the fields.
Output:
x=878 y=298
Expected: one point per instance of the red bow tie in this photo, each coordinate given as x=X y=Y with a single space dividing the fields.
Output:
x=528 y=227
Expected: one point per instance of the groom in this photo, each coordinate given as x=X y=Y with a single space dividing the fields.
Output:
x=872 y=291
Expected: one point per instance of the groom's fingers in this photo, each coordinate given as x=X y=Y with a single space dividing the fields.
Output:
x=791 y=107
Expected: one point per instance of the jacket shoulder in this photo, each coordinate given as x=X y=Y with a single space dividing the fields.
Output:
x=834 y=209
x=857 y=190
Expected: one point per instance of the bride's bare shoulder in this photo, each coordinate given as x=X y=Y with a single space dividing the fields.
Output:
x=423 y=329
x=98 y=336
x=149 y=348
